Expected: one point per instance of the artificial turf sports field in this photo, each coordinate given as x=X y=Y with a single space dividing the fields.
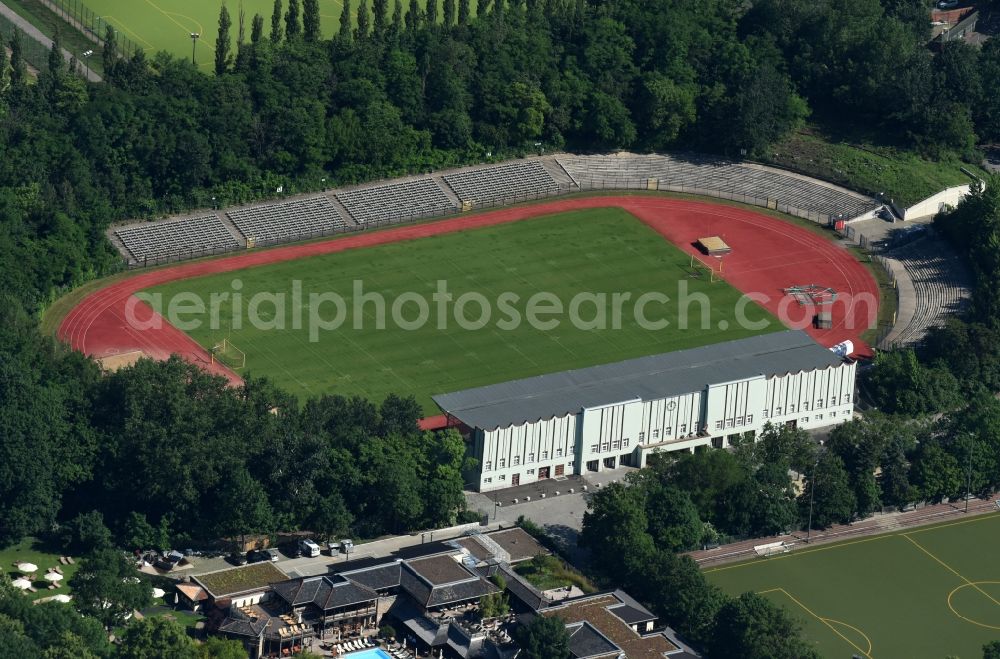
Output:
x=602 y=250
x=157 y=25
x=930 y=592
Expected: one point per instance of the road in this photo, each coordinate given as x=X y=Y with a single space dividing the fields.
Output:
x=36 y=34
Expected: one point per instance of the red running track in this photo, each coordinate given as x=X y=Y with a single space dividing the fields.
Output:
x=768 y=256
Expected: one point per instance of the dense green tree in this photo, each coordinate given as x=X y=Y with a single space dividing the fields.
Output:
x=616 y=529
x=363 y=28
x=752 y=627
x=380 y=19
x=223 y=43
x=18 y=66
x=414 y=16
x=545 y=637
x=991 y=650
x=87 y=533
x=276 y=31
x=106 y=587
x=109 y=52
x=673 y=519
x=345 y=23
x=448 y=13
x=828 y=492
x=156 y=638
x=293 y=24
x=463 y=12
x=216 y=647
x=431 y=11
x=311 y=21
x=935 y=473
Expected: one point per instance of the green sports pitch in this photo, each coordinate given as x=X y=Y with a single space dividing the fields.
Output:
x=156 y=25
x=927 y=593
x=599 y=251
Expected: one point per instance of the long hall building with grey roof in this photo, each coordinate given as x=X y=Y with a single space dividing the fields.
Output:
x=613 y=415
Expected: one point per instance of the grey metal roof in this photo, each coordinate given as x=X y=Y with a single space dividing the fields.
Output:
x=646 y=378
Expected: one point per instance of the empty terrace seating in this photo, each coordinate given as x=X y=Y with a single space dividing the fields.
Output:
x=504 y=182
x=397 y=201
x=714 y=176
x=287 y=221
x=940 y=286
x=166 y=241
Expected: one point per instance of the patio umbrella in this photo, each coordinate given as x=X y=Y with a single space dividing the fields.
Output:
x=53 y=576
x=65 y=599
x=27 y=568
x=21 y=583
x=158 y=593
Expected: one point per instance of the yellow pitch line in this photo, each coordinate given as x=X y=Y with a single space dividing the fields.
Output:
x=951 y=569
x=852 y=627
x=974 y=622
x=127 y=29
x=175 y=22
x=826 y=621
x=978 y=518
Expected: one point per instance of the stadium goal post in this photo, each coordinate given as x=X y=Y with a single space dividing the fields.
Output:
x=699 y=269
x=228 y=354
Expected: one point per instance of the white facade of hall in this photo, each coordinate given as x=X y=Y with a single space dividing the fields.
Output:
x=627 y=432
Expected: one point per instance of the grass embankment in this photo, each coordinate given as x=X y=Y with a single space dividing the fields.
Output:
x=902 y=175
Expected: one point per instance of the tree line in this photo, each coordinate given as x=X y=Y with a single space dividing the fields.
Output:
x=165 y=455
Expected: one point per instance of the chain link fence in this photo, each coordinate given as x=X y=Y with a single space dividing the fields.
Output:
x=90 y=23
x=34 y=53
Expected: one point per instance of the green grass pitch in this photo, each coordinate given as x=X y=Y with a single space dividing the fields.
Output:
x=157 y=25
x=927 y=593
x=601 y=251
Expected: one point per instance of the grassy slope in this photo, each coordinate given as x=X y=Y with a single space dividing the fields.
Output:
x=902 y=175
x=601 y=250
x=888 y=588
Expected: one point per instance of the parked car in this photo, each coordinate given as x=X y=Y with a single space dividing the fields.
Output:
x=947 y=4
x=308 y=548
x=262 y=556
x=237 y=558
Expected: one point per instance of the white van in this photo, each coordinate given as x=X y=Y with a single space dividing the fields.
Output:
x=308 y=548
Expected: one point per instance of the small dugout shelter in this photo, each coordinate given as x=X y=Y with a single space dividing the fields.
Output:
x=713 y=246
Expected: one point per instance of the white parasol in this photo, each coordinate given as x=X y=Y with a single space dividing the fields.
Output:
x=21 y=583
x=27 y=568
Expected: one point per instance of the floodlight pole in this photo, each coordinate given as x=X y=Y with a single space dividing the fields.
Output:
x=968 y=481
x=812 y=492
x=194 y=42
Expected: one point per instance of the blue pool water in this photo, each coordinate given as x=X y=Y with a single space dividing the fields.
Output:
x=374 y=653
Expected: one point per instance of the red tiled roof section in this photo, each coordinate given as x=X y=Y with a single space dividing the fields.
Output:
x=595 y=611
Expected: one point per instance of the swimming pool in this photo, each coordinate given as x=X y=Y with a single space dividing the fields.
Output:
x=371 y=653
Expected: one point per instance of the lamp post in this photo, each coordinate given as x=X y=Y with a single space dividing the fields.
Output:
x=194 y=42
x=86 y=63
x=968 y=478
x=812 y=493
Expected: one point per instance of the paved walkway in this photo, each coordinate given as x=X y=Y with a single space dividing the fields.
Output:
x=741 y=551
x=36 y=34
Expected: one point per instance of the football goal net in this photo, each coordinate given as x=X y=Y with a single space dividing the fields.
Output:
x=228 y=355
